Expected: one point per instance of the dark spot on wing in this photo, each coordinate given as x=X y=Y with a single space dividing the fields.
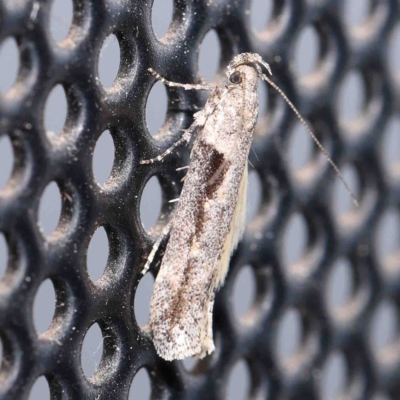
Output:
x=213 y=177
x=210 y=158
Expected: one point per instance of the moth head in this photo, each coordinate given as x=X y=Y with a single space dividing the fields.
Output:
x=252 y=59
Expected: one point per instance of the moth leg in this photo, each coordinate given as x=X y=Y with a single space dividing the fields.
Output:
x=186 y=86
x=185 y=138
x=156 y=246
x=200 y=118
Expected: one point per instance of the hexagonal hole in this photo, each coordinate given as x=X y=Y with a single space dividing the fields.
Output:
x=49 y=209
x=7 y=160
x=55 y=111
x=92 y=350
x=263 y=109
x=209 y=56
x=295 y=240
x=61 y=16
x=190 y=363
x=334 y=374
x=161 y=16
x=384 y=326
x=150 y=203
x=388 y=235
x=103 y=157
x=351 y=98
x=156 y=108
x=143 y=295
x=254 y=195
x=394 y=51
x=97 y=254
x=289 y=335
x=390 y=151
x=244 y=291
x=9 y=64
x=356 y=12
x=339 y=289
x=44 y=305
x=141 y=386
x=3 y=255
x=260 y=14
x=307 y=51
x=109 y=61
x=40 y=390
x=239 y=381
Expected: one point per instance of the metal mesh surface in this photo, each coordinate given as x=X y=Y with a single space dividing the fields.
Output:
x=335 y=236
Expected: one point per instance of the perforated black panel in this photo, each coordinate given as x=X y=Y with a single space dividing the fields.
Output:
x=67 y=159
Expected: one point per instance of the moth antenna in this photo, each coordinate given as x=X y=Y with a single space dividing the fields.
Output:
x=317 y=142
x=252 y=148
x=266 y=66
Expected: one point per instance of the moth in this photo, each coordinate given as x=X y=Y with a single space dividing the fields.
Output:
x=210 y=217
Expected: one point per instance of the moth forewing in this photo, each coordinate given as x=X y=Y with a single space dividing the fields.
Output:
x=207 y=225
x=210 y=216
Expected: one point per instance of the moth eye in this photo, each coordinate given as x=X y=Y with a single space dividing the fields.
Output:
x=235 y=78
